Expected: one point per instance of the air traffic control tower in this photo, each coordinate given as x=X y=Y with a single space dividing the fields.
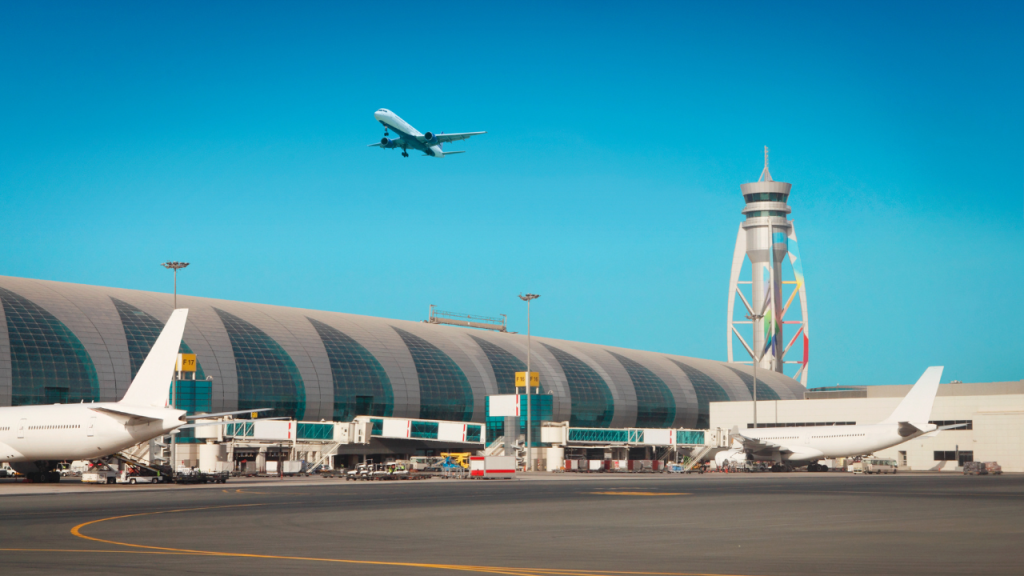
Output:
x=766 y=237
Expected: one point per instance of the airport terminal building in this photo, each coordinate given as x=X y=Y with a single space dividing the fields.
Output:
x=63 y=342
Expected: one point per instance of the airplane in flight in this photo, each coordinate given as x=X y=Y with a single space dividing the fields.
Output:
x=35 y=439
x=804 y=446
x=408 y=137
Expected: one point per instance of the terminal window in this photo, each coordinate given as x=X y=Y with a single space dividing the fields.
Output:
x=655 y=406
x=707 y=391
x=267 y=376
x=764 y=391
x=953 y=455
x=444 y=390
x=361 y=386
x=45 y=354
x=969 y=424
x=505 y=366
x=592 y=404
x=141 y=331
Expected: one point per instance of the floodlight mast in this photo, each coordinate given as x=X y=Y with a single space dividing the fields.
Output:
x=757 y=360
x=175 y=266
x=529 y=378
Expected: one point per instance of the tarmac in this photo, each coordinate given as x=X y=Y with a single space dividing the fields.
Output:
x=539 y=524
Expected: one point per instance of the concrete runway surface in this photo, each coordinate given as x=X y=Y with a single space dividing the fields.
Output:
x=564 y=525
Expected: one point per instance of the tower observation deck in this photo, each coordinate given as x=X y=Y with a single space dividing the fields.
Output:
x=766 y=238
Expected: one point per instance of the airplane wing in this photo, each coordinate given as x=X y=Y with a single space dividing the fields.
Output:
x=755 y=445
x=442 y=138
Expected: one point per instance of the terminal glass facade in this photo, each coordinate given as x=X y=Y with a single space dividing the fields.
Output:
x=655 y=406
x=49 y=365
x=141 y=330
x=267 y=376
x=707 y=391
x=444 y=390
x=764 y=391
x=592 y=403
x=361 y=386
x=505 y=366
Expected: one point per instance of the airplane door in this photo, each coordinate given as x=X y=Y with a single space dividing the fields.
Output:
x=21 y=427
x=91 y=427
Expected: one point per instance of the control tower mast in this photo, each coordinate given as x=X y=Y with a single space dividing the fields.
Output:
x=766 y=238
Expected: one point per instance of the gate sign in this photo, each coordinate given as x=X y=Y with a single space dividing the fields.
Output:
x=521 y=379
x=186 y=363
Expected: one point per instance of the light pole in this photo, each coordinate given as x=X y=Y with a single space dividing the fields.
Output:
x=175 y=266
x=757 y=360
x=529 y=378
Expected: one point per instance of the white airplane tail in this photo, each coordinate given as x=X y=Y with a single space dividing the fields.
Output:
x=150 y=386
x=916 y=407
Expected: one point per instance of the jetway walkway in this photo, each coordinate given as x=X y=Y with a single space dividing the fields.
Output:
x=563 y=435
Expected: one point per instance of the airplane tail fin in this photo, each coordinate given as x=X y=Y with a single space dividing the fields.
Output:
x=151 y=385
x=917 y=405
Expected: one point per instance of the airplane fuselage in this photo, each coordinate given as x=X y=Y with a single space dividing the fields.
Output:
x=77 y=431
x=816 y=442
x=409 y=137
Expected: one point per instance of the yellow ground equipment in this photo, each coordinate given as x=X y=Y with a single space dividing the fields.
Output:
x=460 y=458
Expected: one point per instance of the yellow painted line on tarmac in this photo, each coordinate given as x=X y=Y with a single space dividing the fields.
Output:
x=77 y=531
x=643 y=493
x=244 y=491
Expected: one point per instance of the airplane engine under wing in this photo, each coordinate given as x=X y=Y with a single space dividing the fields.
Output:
x=387 y=143
x=429 y=137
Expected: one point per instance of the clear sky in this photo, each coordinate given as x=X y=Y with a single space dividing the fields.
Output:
x=233 y=136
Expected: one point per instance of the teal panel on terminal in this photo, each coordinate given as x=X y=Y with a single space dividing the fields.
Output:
x=542 y=411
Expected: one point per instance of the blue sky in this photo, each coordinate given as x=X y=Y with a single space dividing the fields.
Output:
x=233 y=136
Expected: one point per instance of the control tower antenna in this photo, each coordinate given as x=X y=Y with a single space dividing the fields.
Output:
x=766 y=176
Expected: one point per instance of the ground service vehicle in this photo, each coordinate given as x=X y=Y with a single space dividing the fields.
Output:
x=878 y=466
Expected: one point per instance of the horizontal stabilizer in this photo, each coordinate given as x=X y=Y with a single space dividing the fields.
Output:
x=214 y=423
x=137 y=415
x=217 y=414
x=457 y=152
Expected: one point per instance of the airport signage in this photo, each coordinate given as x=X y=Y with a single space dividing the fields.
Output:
x=186 y=363
x=521 y=379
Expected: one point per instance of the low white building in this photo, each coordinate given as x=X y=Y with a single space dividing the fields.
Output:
x=994 y=412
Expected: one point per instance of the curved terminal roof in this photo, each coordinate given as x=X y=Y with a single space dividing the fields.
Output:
x=63 y=342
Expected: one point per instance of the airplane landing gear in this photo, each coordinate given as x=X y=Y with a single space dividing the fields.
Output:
x=404 y=153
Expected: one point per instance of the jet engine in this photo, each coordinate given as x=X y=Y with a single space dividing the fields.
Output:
x=429 y=136
x=386 y=143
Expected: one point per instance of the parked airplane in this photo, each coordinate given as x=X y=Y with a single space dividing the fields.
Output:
x=408 y=137
x=34 y=439
x=804 y=446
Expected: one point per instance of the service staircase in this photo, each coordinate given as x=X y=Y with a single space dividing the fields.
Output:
x=325 y=456
x=696 y=458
